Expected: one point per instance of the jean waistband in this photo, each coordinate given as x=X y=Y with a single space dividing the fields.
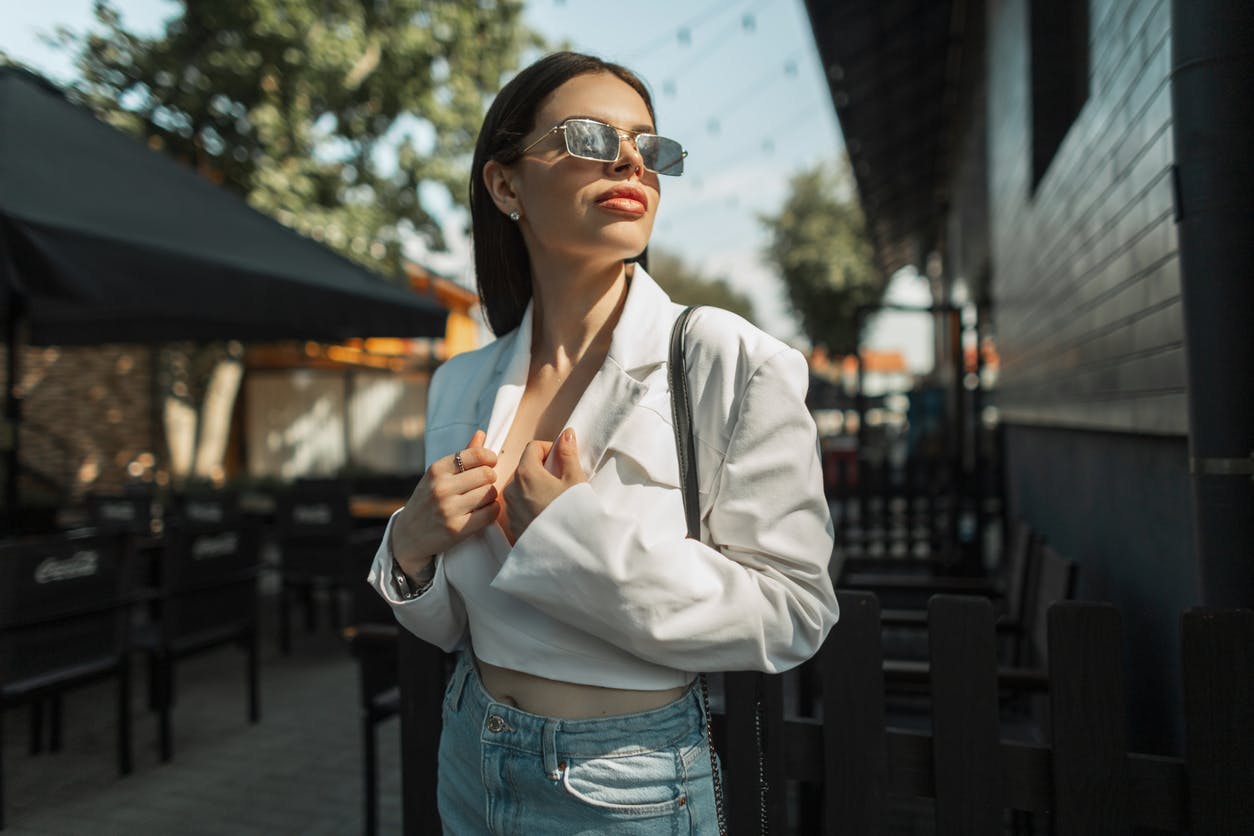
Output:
x=655 y=728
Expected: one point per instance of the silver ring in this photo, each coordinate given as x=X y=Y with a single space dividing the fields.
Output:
x=457 y=459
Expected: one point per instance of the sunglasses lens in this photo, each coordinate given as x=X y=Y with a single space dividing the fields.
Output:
x=595 y=141
x=591 y=140
x=665 y=156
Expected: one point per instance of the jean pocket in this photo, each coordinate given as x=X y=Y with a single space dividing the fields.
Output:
x=644 y=784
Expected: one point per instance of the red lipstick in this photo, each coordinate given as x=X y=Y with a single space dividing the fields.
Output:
x=629 y=200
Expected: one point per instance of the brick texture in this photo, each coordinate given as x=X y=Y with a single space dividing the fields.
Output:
x=1086 y=269
x=87 y=416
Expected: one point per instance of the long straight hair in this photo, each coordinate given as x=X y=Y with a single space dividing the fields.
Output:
x=502 y=267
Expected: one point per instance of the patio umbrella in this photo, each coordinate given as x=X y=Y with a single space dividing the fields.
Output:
x=104 y=240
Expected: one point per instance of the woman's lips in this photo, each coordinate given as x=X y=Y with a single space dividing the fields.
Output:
x=626 y=205
x=628 y=200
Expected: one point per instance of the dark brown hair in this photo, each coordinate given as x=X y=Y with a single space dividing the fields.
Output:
x=501 y=264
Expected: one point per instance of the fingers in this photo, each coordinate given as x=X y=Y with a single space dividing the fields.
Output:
x=472 y=457
x=531 y=462
x=457 y=502
x=480 y=518
x=451 y=486
x=535 y=452
x=481 y=497
x=478 y=439
x=569 y=466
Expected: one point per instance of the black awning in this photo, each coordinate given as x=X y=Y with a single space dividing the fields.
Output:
x=105 y=240
x=888 y=65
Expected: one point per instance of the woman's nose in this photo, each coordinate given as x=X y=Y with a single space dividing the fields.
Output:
x=628 y=154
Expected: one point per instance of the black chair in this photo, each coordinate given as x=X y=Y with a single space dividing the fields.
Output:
x=207 y=598
x=1052 y=578
x=372 y=639
x=1011 y=590
x=63 y=622
x=315 y=529
x=129 y=511
x=130 y=514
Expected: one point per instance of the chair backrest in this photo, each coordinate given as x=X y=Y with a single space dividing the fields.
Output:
x=208 y=510
x=314 y=523
x=129 y=512
x=1055 y=578
x=209 y=578
x=314 y=511
x=1019 y=561
x=61 y=604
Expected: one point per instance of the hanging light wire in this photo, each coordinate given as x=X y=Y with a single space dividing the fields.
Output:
x=668 y=38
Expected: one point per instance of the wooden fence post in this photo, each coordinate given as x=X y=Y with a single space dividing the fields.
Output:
x=1088 y=720
x=1218 y=651
x=851 y=665
x=962 y=643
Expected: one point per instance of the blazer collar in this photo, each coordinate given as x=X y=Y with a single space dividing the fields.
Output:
x=642 y=336
x=639 y=343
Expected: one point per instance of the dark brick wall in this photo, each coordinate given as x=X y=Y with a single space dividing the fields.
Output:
x=86 y=419
x=1085 y=287
x=1086 y=271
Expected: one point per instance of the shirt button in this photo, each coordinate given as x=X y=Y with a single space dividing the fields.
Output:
x=496 y=724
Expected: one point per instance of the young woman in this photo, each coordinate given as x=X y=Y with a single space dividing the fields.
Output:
x=546 y=541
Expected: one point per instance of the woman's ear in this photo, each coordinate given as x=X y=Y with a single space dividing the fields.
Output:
x=499 y=181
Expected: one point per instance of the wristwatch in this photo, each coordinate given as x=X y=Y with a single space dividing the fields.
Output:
x=405 y=590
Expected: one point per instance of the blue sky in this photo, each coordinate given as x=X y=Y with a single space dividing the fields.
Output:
x=738 y=82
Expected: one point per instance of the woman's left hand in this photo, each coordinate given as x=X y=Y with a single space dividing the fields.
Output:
x=533 y=487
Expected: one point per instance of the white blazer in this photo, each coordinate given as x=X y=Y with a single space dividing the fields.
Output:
x=604 y=587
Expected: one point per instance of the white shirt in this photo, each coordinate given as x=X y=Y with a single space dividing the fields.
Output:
x=603 y=587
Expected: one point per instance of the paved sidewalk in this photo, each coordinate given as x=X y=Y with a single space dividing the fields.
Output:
x=298 y=771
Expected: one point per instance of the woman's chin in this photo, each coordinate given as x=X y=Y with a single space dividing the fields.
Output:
x=629 y=241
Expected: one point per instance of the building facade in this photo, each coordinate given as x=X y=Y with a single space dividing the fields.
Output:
x=1045 y=176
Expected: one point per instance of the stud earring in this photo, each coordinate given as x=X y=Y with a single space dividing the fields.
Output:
x=514 y=216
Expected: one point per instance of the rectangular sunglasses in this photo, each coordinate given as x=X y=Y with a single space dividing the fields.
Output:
x=589 y=139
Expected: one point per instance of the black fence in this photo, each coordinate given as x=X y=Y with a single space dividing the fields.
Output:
x=851 y=764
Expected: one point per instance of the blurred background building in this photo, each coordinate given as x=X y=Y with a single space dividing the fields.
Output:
x=1079 y=170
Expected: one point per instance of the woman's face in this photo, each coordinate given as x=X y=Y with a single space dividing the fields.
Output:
x=574 y=207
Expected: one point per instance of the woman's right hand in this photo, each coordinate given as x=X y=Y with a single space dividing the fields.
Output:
x=446 y=507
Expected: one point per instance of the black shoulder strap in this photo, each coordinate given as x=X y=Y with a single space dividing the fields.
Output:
x=681 y=415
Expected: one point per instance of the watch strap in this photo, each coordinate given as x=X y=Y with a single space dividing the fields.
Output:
x=407 y=590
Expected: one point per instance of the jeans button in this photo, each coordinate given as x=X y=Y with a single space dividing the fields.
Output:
x=496 y=724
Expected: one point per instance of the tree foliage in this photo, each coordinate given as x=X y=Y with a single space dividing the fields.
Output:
x=819 y=245
x=687 y=286
x=327 y=116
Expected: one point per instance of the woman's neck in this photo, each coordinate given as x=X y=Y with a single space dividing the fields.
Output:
x=574 y=314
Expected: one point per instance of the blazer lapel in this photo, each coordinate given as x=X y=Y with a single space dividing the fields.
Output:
x=498 y=401
x=639 y=344
x=609 y=398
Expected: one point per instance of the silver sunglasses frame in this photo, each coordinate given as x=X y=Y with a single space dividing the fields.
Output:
x=623 y=133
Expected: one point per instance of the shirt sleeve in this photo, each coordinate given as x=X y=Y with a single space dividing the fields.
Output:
x=757 y=597
x=437 y=616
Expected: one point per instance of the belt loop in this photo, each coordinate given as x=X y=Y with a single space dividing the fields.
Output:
x=548 y=746
x=461 y=673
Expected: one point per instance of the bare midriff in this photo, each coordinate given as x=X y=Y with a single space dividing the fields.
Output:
x=548 y=399
x=567 y=700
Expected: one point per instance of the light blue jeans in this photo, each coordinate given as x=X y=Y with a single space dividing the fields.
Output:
x=504 y=771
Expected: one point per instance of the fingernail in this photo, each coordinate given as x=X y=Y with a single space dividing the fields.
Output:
x=569 y=435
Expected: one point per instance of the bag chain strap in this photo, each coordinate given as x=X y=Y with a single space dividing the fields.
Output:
x=714 y=771
x=681 y=412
